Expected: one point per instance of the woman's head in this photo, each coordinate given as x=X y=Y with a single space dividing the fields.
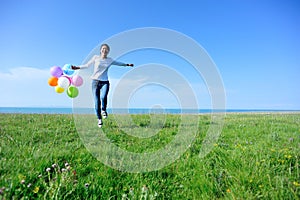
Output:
x=104 y=49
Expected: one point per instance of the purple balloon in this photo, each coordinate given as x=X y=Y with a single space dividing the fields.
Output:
x=56 y=71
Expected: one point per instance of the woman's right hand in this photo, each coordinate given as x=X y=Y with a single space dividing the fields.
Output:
x=74 y=67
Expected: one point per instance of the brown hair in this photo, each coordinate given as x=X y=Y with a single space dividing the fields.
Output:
x=104 y=45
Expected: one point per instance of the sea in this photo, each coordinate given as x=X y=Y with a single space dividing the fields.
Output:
x=59 y=110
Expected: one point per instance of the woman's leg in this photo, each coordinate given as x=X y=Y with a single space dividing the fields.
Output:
x=96 y=94
x=103 y=95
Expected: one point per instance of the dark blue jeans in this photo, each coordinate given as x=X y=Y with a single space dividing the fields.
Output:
x=100 y=91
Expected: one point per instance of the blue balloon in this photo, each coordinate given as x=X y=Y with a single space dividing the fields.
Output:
x=67 y=70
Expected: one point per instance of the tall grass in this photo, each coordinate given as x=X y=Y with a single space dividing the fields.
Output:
x=256 y=157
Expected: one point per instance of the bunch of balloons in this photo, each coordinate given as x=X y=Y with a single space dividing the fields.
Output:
x=65 y=79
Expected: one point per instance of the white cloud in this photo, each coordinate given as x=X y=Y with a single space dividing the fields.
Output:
x=134 y=93
x=28 y=87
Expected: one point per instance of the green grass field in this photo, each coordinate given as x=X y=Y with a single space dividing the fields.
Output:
x=255 y=157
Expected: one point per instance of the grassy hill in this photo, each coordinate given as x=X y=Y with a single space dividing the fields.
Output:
x=256 y=157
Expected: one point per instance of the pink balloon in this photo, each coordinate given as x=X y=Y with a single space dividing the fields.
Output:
x=56 y=71
x=77 y=80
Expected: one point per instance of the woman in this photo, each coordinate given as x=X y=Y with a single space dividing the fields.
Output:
x=100 y=82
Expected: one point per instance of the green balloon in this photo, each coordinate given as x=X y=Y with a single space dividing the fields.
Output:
x=72 y=91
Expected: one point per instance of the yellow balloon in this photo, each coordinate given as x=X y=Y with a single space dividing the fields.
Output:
x=59 y=89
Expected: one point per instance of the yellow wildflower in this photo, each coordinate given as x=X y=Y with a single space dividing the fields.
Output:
x=296 y=184
x=287 y=156
x=36 y=189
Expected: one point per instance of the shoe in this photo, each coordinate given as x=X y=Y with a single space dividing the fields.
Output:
x=104 y=114
x=100 y=123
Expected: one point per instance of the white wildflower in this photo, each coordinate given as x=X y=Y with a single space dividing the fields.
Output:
x=54 y=165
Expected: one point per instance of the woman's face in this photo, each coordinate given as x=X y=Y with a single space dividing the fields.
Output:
x=104 y=50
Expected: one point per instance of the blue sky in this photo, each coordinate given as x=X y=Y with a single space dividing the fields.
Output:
x=255 y=45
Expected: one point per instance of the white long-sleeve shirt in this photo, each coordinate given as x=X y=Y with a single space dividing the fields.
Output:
x=101 y=67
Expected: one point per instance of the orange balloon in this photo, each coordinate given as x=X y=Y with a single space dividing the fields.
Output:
x=52 y=81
